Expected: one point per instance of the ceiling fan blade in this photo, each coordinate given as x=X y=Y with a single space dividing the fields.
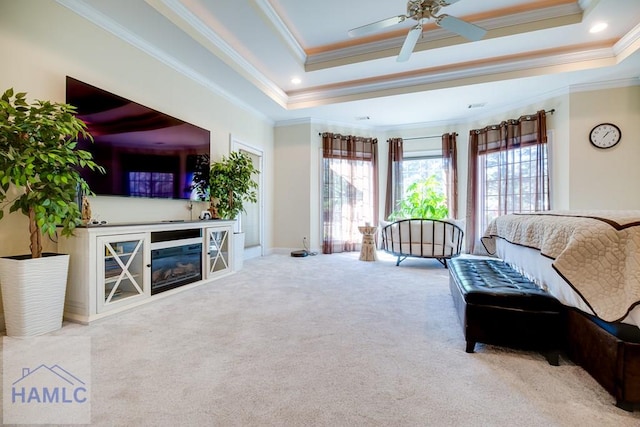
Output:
x=409 y=43
x=375 y=26
x=447 y=2
x=458 y=26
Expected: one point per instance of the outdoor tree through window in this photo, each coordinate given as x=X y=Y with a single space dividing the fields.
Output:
x=423 y=186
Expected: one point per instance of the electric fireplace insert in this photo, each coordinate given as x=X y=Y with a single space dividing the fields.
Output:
x=176 y=259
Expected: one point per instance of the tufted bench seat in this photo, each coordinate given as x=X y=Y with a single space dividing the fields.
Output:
x=497 y=305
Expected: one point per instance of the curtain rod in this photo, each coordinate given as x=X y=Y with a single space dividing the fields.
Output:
x=424 y=137
x=405 y=139
x=553 y=110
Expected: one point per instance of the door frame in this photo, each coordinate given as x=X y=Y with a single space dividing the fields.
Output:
x=236 y=144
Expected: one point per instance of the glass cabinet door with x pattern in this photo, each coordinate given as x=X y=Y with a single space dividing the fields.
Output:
x=218 y=250
x=122 y=271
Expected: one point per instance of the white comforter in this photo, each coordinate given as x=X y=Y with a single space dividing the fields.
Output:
x=597 y=253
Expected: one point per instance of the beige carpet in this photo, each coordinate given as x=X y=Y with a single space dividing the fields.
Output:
x=324 y=341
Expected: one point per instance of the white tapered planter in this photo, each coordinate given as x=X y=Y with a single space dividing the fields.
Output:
x=33 y=292
x=238 y=251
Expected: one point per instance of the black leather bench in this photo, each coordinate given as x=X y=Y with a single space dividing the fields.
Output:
x=497 y=305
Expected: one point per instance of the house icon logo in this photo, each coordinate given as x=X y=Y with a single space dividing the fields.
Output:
x=46 y=380
x=48 y=385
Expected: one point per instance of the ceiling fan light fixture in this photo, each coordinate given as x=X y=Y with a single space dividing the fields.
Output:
x=422 y=11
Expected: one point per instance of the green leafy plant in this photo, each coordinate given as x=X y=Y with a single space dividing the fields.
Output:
x=423 y=199
x=231 y=183
x=41 y=161
x=201 y=178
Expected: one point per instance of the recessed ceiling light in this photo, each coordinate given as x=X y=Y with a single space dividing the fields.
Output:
x=598 y=27
x=296 y=81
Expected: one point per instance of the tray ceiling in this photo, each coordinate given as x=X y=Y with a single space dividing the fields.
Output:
x=250 y=51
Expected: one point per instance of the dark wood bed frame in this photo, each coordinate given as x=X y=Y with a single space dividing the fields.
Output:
x=609 y=352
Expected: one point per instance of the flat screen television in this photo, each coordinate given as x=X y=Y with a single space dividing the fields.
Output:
x=145 y=153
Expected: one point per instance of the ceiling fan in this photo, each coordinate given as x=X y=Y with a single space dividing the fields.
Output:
x=422 y=11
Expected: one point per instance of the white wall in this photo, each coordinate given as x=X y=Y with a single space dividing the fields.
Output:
x=582 y=177
x=41 y=42
x=293 y=183
x=298 y=149
x=557 y=125
x=605 y=179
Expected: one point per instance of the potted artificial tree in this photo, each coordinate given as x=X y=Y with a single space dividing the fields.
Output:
x=231 y=185
x=39 y=177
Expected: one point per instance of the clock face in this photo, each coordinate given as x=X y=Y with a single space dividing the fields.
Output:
x=605 y=135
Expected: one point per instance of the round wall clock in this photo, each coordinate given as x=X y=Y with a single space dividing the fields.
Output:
x=605 y=135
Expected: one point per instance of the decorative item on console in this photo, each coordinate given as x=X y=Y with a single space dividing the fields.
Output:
x=86 y=210
x=213 y=211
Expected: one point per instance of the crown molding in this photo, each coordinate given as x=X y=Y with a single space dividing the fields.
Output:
x=628 y=44
x=436 y=37
x=173 y=9
x=508 y=67
x=512 y=67
x=605 y=85
x=421 y=125
x=291 y=42
x=295 y=122
x=520 y=104
x=485 y=114
x=96 y=17
x=588 y=5
x=323 y=122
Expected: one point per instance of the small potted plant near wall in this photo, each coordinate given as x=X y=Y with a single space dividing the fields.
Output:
x=231 y=185
x=39 y=177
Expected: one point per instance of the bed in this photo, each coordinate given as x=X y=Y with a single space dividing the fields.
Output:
x=590 y=261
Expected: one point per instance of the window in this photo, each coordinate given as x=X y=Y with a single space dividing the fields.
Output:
x=422 y=184
x=509 y=182
x=416 y=169
x=349 y=194
x=508 y=172
x=422 y=187
x=151 y=184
